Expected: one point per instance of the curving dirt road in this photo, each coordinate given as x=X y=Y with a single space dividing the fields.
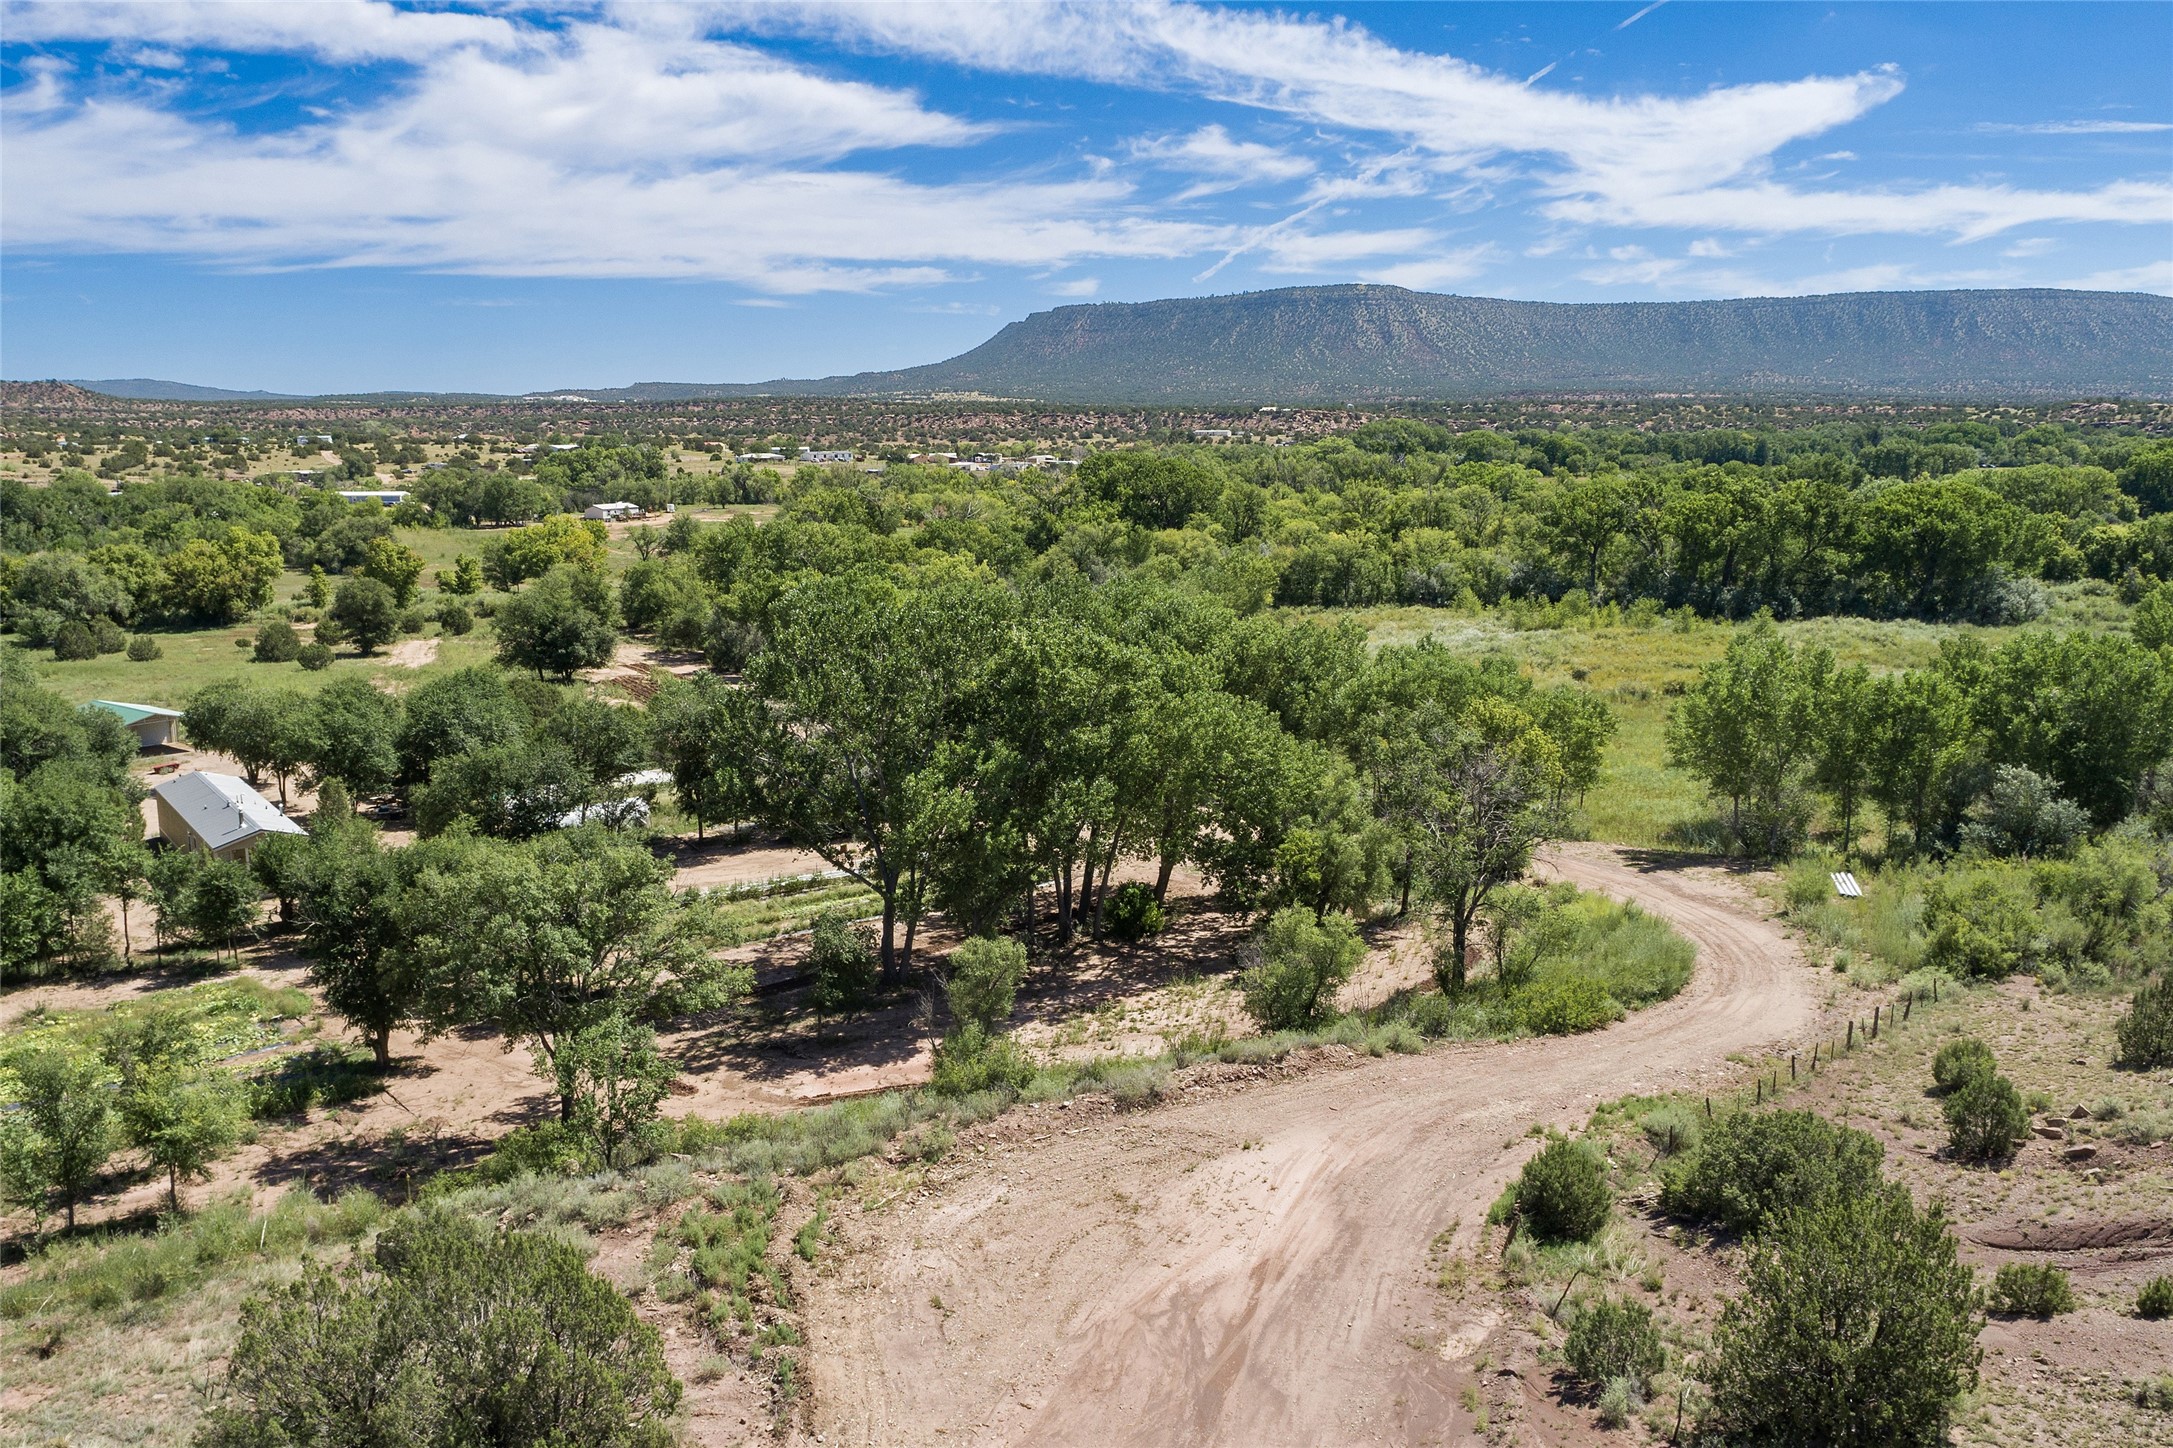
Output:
x=1250 y=1268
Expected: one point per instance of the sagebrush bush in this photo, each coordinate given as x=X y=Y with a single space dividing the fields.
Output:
x=1132 y=913
x=2155 y=1300
x=1752 y=1166
x=1961 y=1060
x=2145 y=1030
x=1620 y=1402
x=1985 y=1116
x=1615 y=1338
x=1562 y=1194
x=2031 y=1289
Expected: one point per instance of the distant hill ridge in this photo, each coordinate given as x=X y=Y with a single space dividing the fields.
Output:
x=1353 y=343
x=1376 y=343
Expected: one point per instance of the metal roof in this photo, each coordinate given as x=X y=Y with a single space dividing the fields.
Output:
x=135 y=713
x=222 y=810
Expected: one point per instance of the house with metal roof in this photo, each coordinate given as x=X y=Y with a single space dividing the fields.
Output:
x=153 y=726
x=217 y=814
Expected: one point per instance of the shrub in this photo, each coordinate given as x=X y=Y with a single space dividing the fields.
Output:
x=985 y=976
x=277 y=643
x=1620 y=1402
x=1984 y=1117
x=1982 y=921
x=1562 y=1193
x=142 y=649
x=452 y=1333
x=314 y=656
x=74 y=640
x=841 y=964
x=1750 y=1167
x=1615 y=1339
x=1856 y=1324
x=455 y=618
x=2031 y=1289
x=1133 y=913
x=1672 y=1129
x=413 y=620
x=1564 y=1006
x=107 y=636
x=2155 y=1301
x=970 y=1059
x=2145 y=1030
x=1960 y=1061
x=1297 y=963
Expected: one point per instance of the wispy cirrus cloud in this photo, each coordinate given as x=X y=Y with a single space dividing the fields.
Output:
x=685 y=140
x=2074 y=128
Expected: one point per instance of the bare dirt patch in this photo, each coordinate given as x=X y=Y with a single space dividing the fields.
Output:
x=412 y=653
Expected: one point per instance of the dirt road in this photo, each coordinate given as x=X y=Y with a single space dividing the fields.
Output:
x=1250 y=1269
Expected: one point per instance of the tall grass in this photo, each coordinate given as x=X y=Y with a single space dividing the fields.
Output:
x=114 y=1269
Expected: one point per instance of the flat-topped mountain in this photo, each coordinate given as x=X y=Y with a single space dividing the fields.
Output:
x=1346 y=343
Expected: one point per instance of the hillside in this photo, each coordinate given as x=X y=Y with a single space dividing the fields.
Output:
x=1341 y=343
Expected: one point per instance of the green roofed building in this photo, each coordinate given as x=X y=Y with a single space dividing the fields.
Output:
x=154 y=726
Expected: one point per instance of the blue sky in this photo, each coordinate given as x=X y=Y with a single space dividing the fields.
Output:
x=344 y=194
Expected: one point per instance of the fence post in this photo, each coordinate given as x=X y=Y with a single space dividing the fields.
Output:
x=1908 y=1003
x=1761 y=1090
x=1852 y=1033
x=1792 y=1065
x=1708 y=1108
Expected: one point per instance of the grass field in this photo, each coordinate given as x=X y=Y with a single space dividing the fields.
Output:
x=1639 y=799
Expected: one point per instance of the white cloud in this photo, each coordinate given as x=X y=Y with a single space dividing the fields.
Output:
x=2030 y=246
x=1431 y=273
x=2077 y=128
x=1699 y=161
x=1706 y=246
x=1211 y=151
x=1076 y=287
x=2151 y=276
x=592 y=149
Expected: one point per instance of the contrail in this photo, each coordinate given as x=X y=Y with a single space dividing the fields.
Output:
x=1640 y=15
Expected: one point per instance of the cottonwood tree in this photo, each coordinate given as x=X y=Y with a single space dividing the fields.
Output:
x=548 y=939
x=1475 y=807
x=347 y=902
x=862 y=690
x=567 y=620
x=63 y=1134
x=182 y=1118
x=1745 y=728
x=367 y=612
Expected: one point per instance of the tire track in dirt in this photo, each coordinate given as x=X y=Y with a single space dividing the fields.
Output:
x=1249 y=1269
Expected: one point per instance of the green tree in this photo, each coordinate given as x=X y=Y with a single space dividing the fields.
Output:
x=2151 y=625
x=63 y=1135
x=984 y=981
x=565 y=622
x=347 y=903
x=866 y=685
x=1473 y=808
x=466 y=579
x=221 y=902
x=1856 y=1325
x=318 y=591
x=181 y=1118
x=223 y=581
x=455 y=713
x=613 y=1074
x=367 y=612
x=1297 y=963
x=393 y=564
x=525 y=553
x=693 y=734
x=277 y=643
x=1746 y=729
x=546 y=939
x=1562 y=1195
x=1985 y=1118
x=449 y=1332
x=356 y=726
